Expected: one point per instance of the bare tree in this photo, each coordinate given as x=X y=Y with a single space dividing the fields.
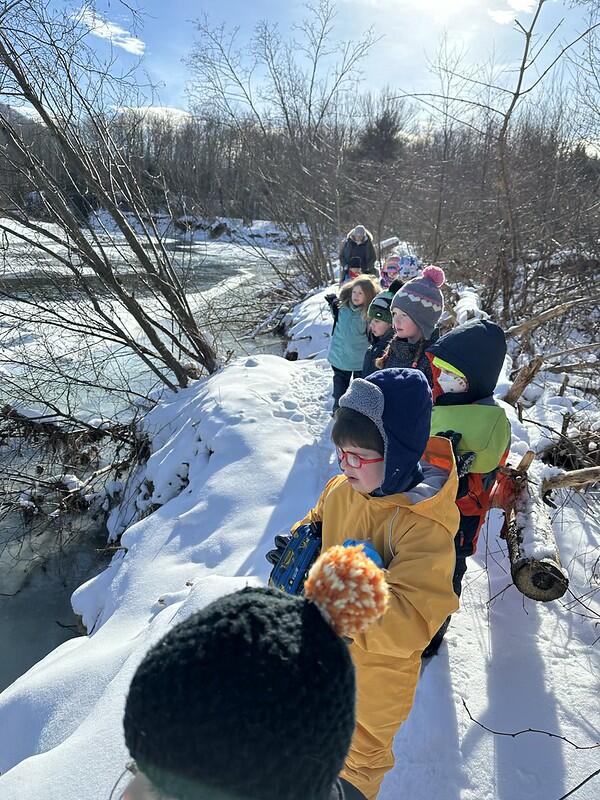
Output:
x=288 y=101
x=516 y=188
x=94 y=308
x=46 y=64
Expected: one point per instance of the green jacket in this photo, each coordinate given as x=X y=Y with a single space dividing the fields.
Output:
x=484 y=428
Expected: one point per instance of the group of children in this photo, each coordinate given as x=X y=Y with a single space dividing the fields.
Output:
x=279 y=705
x=420 y=441
x=377 y=330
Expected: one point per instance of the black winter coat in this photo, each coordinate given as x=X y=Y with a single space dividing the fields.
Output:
x=345 y=791
x=376 y=349
x=404 y=354
x=358 y=256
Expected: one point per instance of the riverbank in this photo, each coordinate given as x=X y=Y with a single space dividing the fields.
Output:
x=36 y=615
x=36 y=583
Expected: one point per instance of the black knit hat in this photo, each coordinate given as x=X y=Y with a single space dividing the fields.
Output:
x=251 y=698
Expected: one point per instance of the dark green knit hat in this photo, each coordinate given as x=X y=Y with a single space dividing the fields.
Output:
x=251 y=698
x=380 y=307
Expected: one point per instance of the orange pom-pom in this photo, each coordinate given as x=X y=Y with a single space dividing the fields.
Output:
x=349 y=588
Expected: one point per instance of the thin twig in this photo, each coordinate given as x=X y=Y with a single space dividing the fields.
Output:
x=528 y=730
x=579 y=785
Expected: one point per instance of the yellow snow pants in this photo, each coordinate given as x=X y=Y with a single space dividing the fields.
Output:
x=385 y=690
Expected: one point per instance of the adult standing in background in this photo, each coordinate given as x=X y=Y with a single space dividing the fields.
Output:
x=357 y=254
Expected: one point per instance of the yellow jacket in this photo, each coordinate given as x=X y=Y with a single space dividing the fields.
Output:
x=414 y=534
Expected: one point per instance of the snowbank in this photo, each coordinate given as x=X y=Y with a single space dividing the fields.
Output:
x=309 y=326
x=236 y=459
x=193 y=228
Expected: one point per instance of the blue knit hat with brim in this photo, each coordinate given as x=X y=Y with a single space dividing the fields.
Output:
x=398 y=402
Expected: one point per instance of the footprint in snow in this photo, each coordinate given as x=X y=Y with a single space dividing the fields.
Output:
x=295 y=416
x=168 y=599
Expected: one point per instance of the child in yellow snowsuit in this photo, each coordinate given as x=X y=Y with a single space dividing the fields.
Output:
x=397 y=495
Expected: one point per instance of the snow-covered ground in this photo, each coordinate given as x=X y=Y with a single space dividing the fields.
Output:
x=192 y=249
x=238 y=458
x=196 y=228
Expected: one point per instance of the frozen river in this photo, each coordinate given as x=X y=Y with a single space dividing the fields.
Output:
x=35 y=610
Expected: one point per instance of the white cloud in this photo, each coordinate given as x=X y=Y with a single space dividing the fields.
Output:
x=523 y=5
x=501 y=16
x=504 y=16
x=119 y=37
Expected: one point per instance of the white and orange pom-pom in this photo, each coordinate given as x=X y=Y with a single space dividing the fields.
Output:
x=349 y=588
x=435 y=274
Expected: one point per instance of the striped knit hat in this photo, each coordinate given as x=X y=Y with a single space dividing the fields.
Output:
x=422 y=299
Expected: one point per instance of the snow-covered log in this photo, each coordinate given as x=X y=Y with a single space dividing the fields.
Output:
x=534 y=560
x=388 y=244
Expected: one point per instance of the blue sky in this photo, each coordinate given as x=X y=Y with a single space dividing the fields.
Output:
x=163 y=33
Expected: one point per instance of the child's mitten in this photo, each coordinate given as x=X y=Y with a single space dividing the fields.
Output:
x=368 y=550
x=334 y=304
x=463 y=460
x=281 y=542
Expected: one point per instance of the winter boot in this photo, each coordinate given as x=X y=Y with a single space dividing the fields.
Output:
x=434 y=644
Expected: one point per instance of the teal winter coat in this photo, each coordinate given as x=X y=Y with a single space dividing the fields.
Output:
x=349 y=341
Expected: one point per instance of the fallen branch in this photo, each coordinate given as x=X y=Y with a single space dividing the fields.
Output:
x=534 y=560
x=579 y=349
x=546 y=316
x=576 y=367
x=575 y=479
x=528 y=730
x=62 y=427
x=523 y=378
x=579 y=785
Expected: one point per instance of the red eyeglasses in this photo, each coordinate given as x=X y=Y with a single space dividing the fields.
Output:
x=353 y=459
